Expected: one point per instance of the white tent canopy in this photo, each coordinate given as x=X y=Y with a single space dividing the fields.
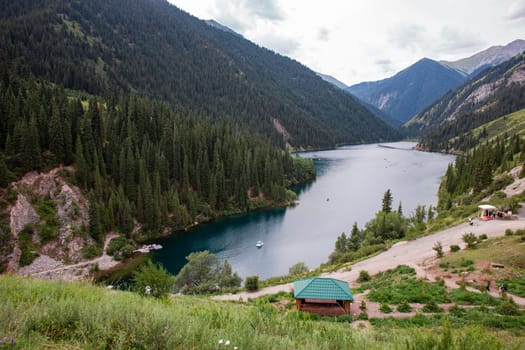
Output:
x=486 y=207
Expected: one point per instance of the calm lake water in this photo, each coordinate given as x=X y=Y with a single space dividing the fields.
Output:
x=349 y=188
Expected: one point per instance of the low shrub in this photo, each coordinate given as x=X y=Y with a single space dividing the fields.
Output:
x=520 y=232
x=364 y=276
x=120 y=248
x=465 y=297
x=49 y=226
x=508 y=307
x=438 y=247
x=482 y=237
x=456 y=311
x=466 y=262
x=362 y=316
x=411 y=290
x=298 y=269
x=385 y=308
x=470 y=239
x=444 y=265
x=28 y=249
x=91 y=251
x=252 y=283
x=362 y=307
x=454 y=248
x=344 y=318
x=432 y=306
x=404 y=307
x=509 y=232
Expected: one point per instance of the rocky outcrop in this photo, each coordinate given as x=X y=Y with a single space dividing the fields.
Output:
x=21 y=214
x=71 y=206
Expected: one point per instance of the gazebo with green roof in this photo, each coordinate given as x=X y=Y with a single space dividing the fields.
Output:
x=322 y=295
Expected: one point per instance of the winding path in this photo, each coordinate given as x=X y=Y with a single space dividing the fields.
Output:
x=417 y=254
x=104 y=262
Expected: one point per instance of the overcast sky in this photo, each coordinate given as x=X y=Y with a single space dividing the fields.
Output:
x=367 y=40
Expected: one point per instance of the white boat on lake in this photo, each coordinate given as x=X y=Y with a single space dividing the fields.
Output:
x=146 y=248
x=259 y=244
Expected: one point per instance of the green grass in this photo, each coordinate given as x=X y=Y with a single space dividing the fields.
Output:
x=482 y=318
x=507 y=250
x=51 y=315
x=465 y=297
x=507 y=125
x=515 y=283
x=411 y=290
x=397 y=285
x=397 y=274
x=49 y=225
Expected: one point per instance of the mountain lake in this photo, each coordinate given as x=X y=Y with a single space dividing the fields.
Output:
x=349 y=188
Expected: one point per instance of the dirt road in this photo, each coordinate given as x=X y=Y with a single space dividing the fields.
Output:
x=417 y=253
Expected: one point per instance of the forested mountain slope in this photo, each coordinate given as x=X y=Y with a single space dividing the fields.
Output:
x=493 y=93
x=144 y=168
x=152 y=48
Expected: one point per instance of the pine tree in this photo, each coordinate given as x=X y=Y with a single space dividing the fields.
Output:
x=95 y=224
x=387 y=202
x=4 y=173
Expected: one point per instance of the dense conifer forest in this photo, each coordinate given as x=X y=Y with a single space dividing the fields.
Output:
x=140 y=161
x=481 y=171
x=116 y=47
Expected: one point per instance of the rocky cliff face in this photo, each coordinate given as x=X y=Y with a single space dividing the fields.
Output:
x=67 y=239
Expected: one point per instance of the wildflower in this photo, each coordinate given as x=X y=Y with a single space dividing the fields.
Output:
x=227 y=343
x=221 y=341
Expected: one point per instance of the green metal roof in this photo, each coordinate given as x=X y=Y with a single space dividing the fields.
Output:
x=322 y=288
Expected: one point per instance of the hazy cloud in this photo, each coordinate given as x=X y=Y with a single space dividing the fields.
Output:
x=231 y=21
x=384 y=64
x=516 y=10
x=323 y=34
x=241 y=15
x=409 y=36
x=455 y=40
x=279 y=43
x=266 y=9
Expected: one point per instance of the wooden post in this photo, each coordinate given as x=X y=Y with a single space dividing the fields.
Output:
x=298 y=303
x=347 y=306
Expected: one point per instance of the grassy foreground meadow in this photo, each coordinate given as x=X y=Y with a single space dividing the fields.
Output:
x=37 y=314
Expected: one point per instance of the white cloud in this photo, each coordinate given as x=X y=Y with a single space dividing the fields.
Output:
x=516 y=10
x=278 y=43
x=266 y=9
x=456 y=40
x=411 y=37
x=363 y=40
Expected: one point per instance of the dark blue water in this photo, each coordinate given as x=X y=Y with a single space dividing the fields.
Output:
x=349 y=188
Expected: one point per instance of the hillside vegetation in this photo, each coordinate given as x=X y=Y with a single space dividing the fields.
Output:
x=152 y=48
x=144 y=168
x=505 y=126
x=40 y=314
x=494 y=93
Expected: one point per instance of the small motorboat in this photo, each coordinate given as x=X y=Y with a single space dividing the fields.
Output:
x=146 y=248
x=259 y=244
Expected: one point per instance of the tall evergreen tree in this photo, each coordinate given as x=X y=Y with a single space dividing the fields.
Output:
x=387 y=202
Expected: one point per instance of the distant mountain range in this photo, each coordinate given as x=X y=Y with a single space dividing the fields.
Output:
x=410 y=91
x=153 y=49
x=495 y=92
x=492 y=56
